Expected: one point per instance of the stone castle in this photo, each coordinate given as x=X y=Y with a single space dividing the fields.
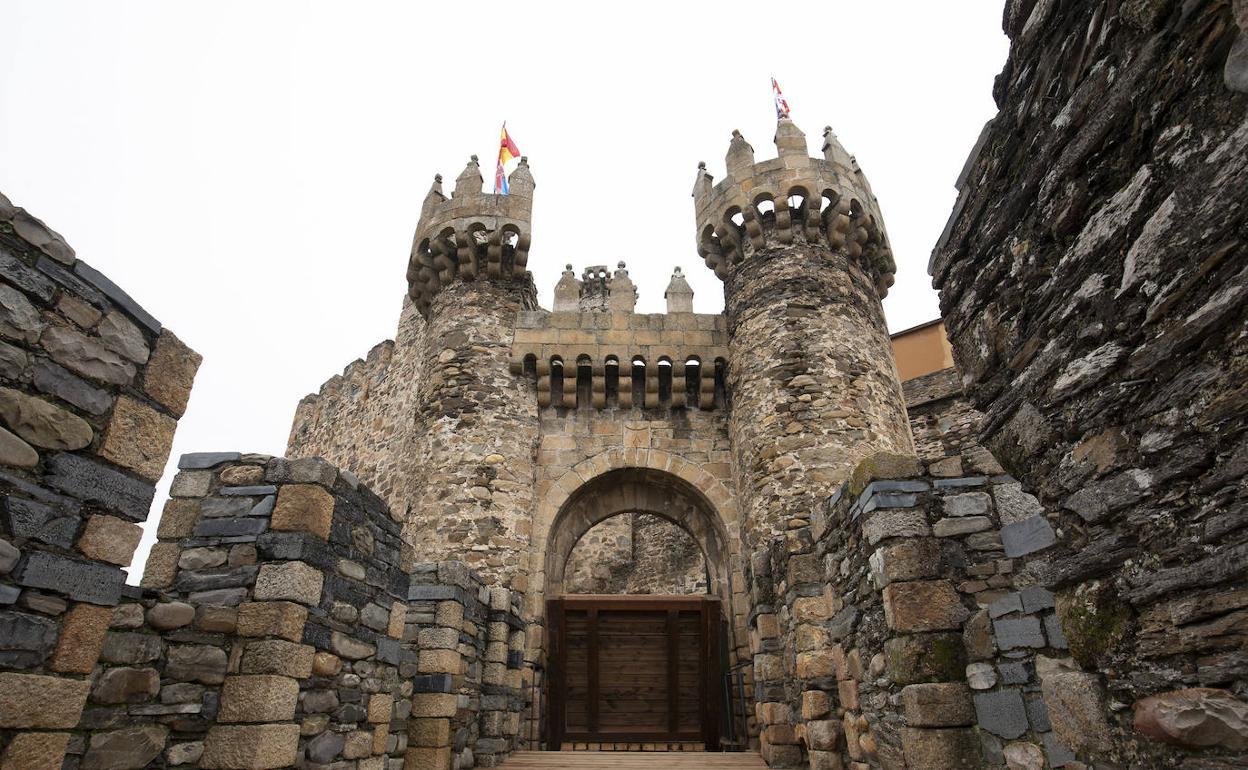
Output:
x=1035 y=558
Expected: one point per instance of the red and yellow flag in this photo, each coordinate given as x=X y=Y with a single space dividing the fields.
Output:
x=507 y=151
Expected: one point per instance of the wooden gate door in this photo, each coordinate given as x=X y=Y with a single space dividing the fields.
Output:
x=633 y=669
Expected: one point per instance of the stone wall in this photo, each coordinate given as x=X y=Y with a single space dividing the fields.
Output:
x=942 y=420
x=636 y=553
x=91 y=388
x=805 y=260
x=274 y=624
x=365 y=418
x=901 y=633
x=1093 y=277
x=278 y=629
x=470 y=692
x=476 y=434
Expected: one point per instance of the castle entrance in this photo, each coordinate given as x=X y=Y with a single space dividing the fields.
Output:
x=636 y=671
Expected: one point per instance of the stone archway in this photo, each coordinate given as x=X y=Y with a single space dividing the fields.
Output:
x=719 y=504
x=639 y=490
x=621 y=657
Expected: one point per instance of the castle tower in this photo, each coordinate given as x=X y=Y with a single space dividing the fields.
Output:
x=476 y=424
x=801 y=249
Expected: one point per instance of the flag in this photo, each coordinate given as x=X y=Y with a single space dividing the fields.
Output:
x=507 y=151
x=782 y=104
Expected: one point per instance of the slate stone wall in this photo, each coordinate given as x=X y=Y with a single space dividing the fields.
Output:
x=278 y=629
x=1094 y=278
x=470 y=693
x=91 y=389
x=897 y=630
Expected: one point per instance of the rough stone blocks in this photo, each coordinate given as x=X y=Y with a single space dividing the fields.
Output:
x=422 y=758
x=35 y=751
x=258 y=698
x=82 y=635
x=295 y=581
x=923 y=606
x=940 y=749
x=277 y=656
x=434 y=704
x=303 y=508
x=138 y=438
x=944 y=704
x=282 y=619
x=45 y=702
x=250 y=747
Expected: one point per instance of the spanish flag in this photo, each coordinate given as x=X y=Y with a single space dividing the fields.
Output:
x=507 y=151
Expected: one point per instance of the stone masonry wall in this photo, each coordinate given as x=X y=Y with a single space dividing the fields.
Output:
x=942 y=420
x=1094 y=281
x=902 y=624
x=476 y=434
x=365 y=418
x=812 y=380
x=91 y=388
x=272 y=630
x=278 y=629
x=636 y=554
x=469 y=698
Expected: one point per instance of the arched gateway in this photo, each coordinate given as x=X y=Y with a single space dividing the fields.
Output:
x=636 y=668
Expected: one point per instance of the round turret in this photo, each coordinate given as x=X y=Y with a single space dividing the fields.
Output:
x=472 y=234
x=792 y=197
x=812 y=385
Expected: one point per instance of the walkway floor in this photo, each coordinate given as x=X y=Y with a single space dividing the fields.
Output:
x=634 y=760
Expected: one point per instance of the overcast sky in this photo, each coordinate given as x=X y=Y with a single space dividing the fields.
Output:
x=252 y=172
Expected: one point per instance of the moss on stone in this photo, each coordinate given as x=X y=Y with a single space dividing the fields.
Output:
x=1094 y=621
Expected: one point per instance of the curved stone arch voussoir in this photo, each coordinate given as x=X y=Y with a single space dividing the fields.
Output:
x=716 y=503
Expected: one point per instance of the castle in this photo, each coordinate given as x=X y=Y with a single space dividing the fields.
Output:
x=774 y=531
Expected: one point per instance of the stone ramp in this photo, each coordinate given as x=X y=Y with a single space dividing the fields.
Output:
x=634 y=760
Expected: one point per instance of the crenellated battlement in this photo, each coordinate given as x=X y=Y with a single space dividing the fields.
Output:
x=789 y=198
x=470 y=235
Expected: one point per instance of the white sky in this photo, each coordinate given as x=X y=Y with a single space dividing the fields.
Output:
x=252 y=172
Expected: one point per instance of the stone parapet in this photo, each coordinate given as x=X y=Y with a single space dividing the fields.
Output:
x=341 y=421
x=471 y=235
x=271 y=632
x=793 y=198
x=91 y=389
x=622 y=360
x=275 y=628
x=469 y=691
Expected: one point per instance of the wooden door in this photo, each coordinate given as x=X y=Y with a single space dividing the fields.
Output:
x=633 y=669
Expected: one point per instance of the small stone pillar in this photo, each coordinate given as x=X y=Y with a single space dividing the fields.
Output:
x=567 y=292
x=679 y=295
x=622 y=292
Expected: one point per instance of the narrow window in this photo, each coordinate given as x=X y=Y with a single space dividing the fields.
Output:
x=665 y=380
x=639 y=381
x=584 y=383
x=721 y=386
x=612 y=385
x=556 y=381
x=693 y=379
